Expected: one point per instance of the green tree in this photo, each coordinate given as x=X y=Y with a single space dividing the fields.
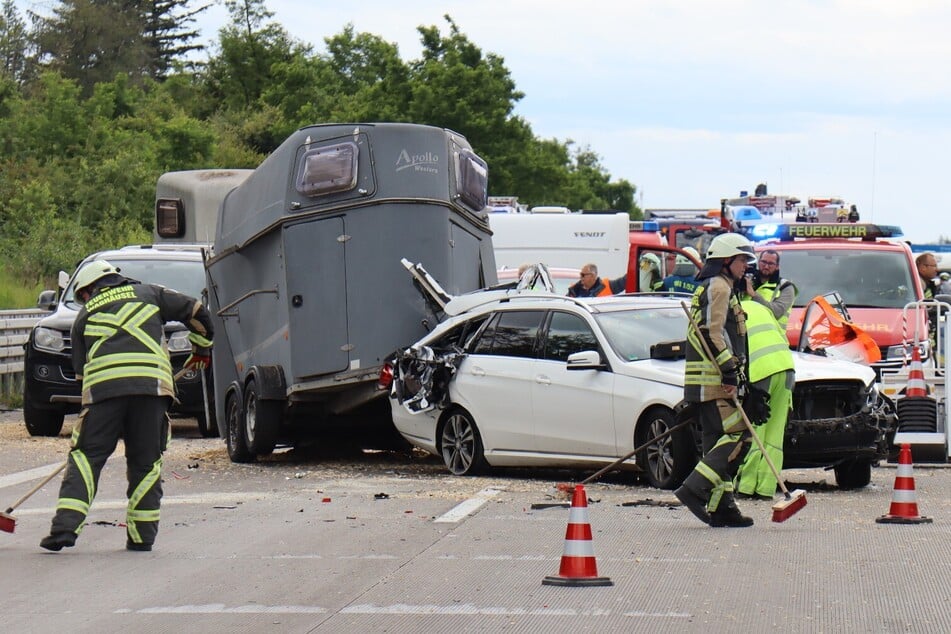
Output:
x=14 y=43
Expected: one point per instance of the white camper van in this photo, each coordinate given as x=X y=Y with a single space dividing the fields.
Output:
x=562 y=240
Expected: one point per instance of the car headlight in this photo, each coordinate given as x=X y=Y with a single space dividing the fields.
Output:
x=178 y=342
x=903 y=352
x=49 y=340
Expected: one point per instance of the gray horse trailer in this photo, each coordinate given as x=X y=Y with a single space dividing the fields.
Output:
x=187 y=203
x=305 y=280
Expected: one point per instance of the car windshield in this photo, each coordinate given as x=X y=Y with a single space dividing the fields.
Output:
x=863 y=278
x=184 y=276
x=631 y=333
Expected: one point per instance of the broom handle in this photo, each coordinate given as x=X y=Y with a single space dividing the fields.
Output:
x=39 y=486
x=618 y=462
x=736 y=402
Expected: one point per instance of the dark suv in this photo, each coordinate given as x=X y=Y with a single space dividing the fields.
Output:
x=50 y=389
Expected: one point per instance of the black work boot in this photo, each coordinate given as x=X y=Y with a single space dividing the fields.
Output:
x=131 y=545
x=729 y=516
x=58 y=541
x=694 y=503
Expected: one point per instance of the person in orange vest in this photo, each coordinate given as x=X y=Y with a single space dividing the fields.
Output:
x=590 y=285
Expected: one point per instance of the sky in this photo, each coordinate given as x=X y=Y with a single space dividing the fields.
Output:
x=695 y=100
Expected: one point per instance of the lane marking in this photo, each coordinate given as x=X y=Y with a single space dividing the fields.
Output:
x=464 y=509
x=29 y=474
x=398 y=609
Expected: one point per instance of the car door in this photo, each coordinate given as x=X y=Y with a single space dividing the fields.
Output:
x=573 y=409
x=494 y=381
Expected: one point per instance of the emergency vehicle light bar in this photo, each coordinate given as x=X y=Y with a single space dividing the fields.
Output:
x=861 y=230
x=644 y=225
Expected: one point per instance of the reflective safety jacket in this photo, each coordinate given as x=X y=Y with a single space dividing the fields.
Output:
x=766 y=341
x=717 y=311
x=779 y=295
x=118 y=342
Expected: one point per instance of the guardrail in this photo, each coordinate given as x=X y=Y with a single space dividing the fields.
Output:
x=15 y=327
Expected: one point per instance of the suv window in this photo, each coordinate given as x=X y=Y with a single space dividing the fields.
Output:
x=184 y=276
x=511 y=333
x=877 y=279
x=567 y=334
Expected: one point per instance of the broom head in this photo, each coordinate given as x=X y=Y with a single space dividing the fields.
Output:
x=7 y=522
x=793 y=502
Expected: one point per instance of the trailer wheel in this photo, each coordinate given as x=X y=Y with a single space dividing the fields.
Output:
x=262 y=419
x=237 y=443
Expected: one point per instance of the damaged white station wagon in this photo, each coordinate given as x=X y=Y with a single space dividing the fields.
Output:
x=515 y=378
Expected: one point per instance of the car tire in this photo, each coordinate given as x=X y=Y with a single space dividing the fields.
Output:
x=237 y=444
x=853 y=474
x=668 y=461
x=42 y=422
x=262 y=420
x=460 y=444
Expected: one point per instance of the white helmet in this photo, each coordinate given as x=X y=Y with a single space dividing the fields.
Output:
x=726 y=245
x=95 y=270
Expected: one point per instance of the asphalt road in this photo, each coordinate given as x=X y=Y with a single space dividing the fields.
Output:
x=341 y=540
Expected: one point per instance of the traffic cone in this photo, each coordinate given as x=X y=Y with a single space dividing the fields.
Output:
x=578 y=566
x=904 y=508
x=916 y=387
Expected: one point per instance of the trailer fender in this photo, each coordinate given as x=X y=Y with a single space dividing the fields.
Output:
x=269 y=380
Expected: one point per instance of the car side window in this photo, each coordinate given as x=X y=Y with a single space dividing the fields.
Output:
x=511 y=334
x=568 y=334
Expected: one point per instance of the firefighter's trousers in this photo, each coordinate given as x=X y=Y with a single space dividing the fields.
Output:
x=725 y=442
x=142 y=423
x=755 y=476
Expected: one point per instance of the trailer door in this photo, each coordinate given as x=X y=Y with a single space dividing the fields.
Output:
x=317 y=297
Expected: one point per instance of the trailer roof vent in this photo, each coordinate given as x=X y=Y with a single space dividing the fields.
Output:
x=328 y=169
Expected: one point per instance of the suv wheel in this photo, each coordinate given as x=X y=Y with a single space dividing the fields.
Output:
x=853 y=474
x=42 y=422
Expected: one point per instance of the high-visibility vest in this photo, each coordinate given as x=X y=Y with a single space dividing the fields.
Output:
x=771 y=290
x=766 y=342
x=702 y=379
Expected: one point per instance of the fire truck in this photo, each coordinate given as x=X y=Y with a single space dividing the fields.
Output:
x=873 y=272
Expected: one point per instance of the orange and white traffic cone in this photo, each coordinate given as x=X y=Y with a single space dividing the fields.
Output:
x=916 y=387
x=904 y=508
x=578 y=566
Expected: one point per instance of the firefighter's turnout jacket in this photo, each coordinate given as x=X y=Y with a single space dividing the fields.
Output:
x=716 y=310
x=117 y=340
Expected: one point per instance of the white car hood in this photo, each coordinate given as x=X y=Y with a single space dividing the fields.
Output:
x=809 y=367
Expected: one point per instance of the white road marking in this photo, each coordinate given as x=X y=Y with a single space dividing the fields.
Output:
x=29 y=474
x=464 y=509
x=396 y=609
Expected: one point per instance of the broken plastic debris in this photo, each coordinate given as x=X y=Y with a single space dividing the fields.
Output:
x=381 y=496
x=325 y=500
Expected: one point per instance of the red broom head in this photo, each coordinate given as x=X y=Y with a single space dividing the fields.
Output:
x=782 y=511
x=7 y=522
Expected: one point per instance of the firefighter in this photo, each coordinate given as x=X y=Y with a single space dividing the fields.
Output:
x=683 y=279
x=650 y=278
x=766 y=287
x=127 y=385
x=712 y=383
x=772 y=371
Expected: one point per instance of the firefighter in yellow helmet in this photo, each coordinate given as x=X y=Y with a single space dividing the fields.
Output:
x=127 y=386
x=712 y=383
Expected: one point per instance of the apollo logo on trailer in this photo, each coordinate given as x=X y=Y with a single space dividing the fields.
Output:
x=425 y=162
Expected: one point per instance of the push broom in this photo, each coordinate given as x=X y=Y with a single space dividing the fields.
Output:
x=7 y=521
x=792 y=502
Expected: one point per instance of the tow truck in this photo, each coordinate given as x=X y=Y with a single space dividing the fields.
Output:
x=874 y=273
